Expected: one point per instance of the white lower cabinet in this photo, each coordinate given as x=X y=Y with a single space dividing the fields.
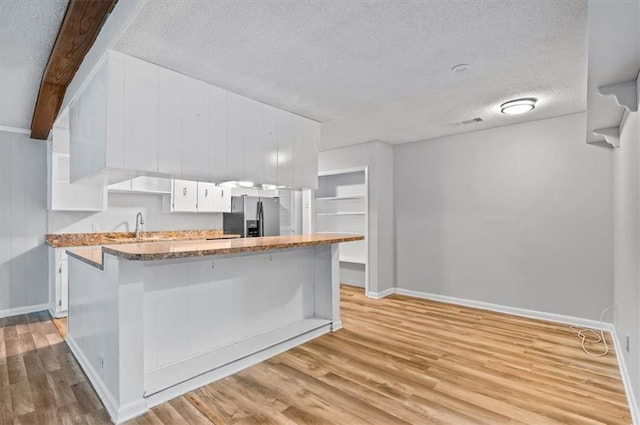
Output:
x=58 y=281
x=190 y=196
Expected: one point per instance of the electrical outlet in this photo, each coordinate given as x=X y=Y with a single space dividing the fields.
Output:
x=627 y=347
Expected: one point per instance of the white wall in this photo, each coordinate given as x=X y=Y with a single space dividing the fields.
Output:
x=23 y=223
x=626 y=198
x=378 y=157
x=121 y=217
x=519 y=216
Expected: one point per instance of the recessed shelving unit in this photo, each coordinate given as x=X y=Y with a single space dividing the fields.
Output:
x=342 y=206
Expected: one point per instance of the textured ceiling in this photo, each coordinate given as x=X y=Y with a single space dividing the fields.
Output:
x=376 y=70
x=28 y=29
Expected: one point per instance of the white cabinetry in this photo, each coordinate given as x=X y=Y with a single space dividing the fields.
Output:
x=195 y=128
x=169 y=122
x=134 y=117
x=235 y=136
x=58 y=281
x=270 y=128
x=184 y=196
x=88 y=195
x=254 y=142
x=218 y=150
x=140 y=112
x=286 y=141
x=190 y=196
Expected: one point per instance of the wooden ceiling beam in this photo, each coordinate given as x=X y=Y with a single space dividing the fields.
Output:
x=80 y=27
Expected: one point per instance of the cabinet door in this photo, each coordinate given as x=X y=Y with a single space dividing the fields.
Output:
x=309 y=162
x=170 y=122
x=140 y=115
x=206 y=196
x=184 y=196
x=253 y=142
x=236 y=136
x=222 y=199
x=217 y=134
x=285 y=149
x=298 y=151
x=270 y=127
x=195 y=128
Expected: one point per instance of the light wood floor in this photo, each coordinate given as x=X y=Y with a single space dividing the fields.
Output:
x=397 y=361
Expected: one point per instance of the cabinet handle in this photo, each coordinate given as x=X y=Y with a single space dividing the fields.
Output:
x=222 y=194
x=184 y=191
x=206 y=193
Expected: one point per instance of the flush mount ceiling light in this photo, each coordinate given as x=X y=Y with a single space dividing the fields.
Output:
x=518 y=106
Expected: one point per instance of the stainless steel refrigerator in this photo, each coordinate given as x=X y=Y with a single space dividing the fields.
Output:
x=253 y=216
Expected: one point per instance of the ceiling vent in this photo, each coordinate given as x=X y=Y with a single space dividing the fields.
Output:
x=471 y=121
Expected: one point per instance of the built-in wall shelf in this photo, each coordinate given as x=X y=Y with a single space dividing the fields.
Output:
x=613 y=67
x=342 y=206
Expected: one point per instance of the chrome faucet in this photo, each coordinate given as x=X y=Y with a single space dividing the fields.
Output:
x=139 y=224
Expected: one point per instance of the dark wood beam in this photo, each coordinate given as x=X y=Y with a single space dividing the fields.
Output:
x=80 y=27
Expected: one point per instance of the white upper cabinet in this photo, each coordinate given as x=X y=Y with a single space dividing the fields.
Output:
x=270 y=128
x=206 y=197
x=202 y=197
x=169 y=122
x=221 y=199
x=217 y=139
x=136 y=116
x=140 y=115
x=254 y=142
x=195 y=128
x=286 y=142
x=184 y=197
x=309 y=160
x=235 y=136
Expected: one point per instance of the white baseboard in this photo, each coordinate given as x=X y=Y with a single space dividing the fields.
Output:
x=523 y=312
x=626 y=380
x=117 y=413
x=336 y=325
x=381 y=294
x=23 y=310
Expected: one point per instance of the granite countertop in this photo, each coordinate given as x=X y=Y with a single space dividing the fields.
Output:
x=66 y=240
x=149 y=251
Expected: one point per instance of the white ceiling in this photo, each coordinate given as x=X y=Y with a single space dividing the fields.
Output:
x=376 y=70
x=28 y=29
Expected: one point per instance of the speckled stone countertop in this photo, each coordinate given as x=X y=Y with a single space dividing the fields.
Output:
x=65 y=240
x=149 y=251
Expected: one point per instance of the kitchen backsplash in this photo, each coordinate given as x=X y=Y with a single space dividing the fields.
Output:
x=121 y=216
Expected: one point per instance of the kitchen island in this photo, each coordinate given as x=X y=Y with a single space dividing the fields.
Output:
x=150 y=321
